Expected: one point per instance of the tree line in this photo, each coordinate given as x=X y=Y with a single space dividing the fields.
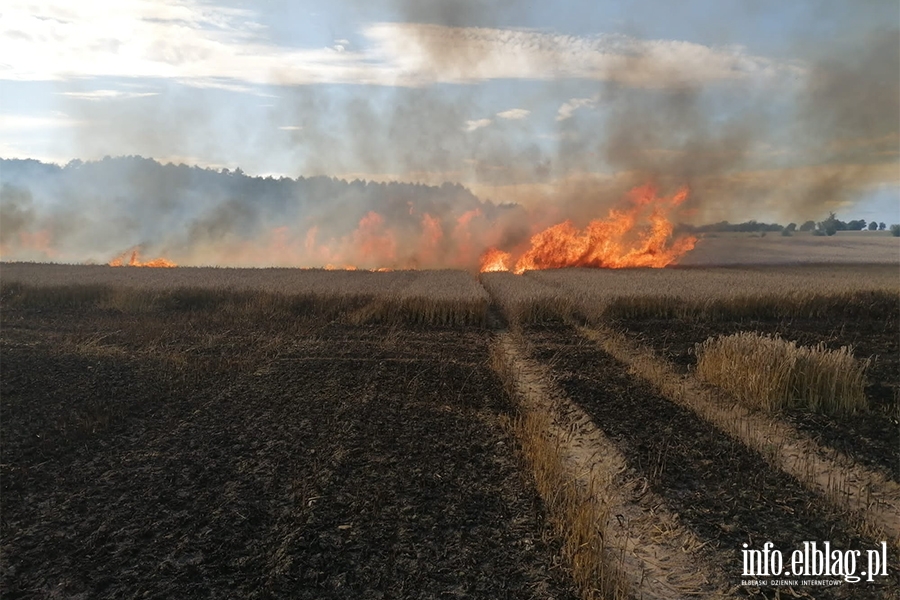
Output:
x=826 y=227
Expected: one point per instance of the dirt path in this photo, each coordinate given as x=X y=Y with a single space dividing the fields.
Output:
x=868 y=494
x=725 y=493
x=644 y=541
x=872 y=438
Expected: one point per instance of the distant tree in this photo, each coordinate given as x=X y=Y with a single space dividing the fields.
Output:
x=873 y=226
x=882 y=226
x=829 y=226
x=895 y=230
x=791 y=227
x=857 y=225
x=808 y=226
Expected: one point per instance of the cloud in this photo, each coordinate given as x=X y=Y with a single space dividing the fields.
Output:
x=434 y=53
x=108 y=95
x=18 y=123
x=567 y=109
x=514 y=114
x=191 y=41
x=291 y=128
x=477 y=124
x=225 y=84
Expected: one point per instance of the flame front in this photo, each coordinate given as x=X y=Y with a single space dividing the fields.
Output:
x=639 y=233
x=495 y=260
x=638 y=236
x=134 y=260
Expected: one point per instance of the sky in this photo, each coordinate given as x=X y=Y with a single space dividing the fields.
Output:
x=765 y=109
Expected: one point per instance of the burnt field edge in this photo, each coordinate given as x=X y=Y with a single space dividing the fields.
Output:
x=217 y=435
x=685 y=458
x=871 y=437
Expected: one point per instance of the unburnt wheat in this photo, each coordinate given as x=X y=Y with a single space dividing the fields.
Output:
x=772 y=374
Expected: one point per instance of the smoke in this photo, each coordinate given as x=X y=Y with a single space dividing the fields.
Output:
x=16 y=214
x=809 y=140
x=95 y=211
x=579 y=121
x=850 y=111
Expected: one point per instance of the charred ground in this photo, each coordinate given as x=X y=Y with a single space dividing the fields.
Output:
x=351 y=439
x=722 y=490
x=871 y=437
x=186 y=454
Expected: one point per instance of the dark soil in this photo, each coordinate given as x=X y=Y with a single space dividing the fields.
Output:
x=872 y=438
x=187 y=456
x=720 y=489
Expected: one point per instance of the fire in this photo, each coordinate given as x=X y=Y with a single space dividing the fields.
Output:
x=134 y=260
x=638 y=233
x=374 y=239
x=495 y=260
x=636 y=236
x=430 y=240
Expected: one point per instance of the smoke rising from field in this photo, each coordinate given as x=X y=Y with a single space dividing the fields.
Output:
x=748 y=134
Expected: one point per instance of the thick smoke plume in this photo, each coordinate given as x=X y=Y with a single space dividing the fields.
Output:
x=748 y=136
x=93 y=211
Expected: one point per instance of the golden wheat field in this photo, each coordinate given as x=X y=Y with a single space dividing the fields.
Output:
x=572 y=433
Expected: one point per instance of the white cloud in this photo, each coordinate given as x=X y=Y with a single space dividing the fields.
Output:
x=290 y=128
x=192 y=41
x=19 y=123
x=27 y=148
x=514 y=113
x=477 y=124
x=567 y=109
x=108 y=95
x=224 y=84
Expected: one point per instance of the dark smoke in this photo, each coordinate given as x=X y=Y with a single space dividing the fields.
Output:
x=851 y=113
x=809 y=137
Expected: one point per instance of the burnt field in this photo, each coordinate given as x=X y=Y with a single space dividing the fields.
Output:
x=319 y=434
x=178 y=456
x=872 y=437
x=720 y=489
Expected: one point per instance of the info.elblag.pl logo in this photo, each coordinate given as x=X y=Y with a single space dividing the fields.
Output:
x=813 y=560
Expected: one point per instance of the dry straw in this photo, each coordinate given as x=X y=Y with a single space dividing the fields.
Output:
x=576 y=511
x=772 y=374
x=578 y=519
x=433 y=298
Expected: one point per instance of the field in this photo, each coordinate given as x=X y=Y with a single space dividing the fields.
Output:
x=772 y=248
x=200 y=432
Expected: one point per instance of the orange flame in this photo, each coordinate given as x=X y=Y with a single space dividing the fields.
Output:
x=494 y=260
x=615 y=242
x=30 y=245
x=374 y=239
x=134 y=260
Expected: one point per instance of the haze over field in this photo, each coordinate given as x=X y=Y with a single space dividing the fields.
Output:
x=522 y=117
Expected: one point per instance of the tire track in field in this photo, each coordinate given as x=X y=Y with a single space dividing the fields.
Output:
x=869 y=495
x=644 y=542
x=720 y=489
x=428 y=499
